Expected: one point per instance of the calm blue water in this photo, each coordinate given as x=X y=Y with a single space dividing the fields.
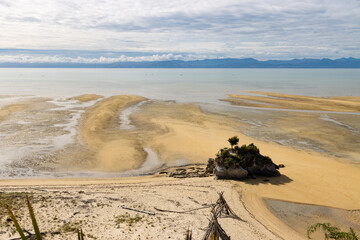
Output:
x=199 y=85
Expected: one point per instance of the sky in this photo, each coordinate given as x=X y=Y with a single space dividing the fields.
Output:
x=102 y=31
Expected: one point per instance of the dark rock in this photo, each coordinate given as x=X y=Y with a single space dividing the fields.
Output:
x=180 y=169
x=179 y=176
x=230 y=173
x=281 y=165
x=190 y=172
x=89 y=201
x=210 y=166
x=238 y=162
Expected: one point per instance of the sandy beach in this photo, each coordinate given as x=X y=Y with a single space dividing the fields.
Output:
x=183 y=133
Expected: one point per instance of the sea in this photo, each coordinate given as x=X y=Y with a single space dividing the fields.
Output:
x=185 y=85
x=27 y=137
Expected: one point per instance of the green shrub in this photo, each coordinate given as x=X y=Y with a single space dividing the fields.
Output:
x=236 y=157
x=251 y=148
x=331 y=232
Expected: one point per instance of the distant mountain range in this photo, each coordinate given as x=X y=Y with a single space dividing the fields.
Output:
x=206 y=63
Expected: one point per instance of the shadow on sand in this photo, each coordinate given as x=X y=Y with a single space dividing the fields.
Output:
x=280 y=180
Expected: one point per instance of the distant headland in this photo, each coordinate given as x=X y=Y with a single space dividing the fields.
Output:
x=206 y=63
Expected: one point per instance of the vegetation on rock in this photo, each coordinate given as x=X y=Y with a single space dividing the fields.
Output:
x=238 y=162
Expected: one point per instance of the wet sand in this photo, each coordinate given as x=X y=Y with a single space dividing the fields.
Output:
x=286 y=101
x=100 y=131
x=87 y=97
x=300 y=216
x=183 y=133
x=6 y=111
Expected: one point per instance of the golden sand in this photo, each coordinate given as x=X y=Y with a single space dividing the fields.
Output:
x=308 y=177
x=184 y=132
x=6 y=111
x=87 y=97
x=100 y=131
x=286 y=101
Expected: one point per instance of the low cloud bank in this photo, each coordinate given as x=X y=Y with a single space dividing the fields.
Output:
x=28 y=58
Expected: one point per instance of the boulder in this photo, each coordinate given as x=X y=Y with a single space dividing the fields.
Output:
x=230 y=173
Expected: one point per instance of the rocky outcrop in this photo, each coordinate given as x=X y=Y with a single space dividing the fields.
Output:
x=257 y=164
x=240 y=162
x=187 y=172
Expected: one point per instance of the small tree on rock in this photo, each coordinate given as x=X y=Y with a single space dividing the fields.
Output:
x=233 y=141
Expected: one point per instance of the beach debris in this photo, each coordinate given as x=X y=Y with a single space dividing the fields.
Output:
x=223 y=208
x=214 y=231
x=239 y=162
x=80 y=234
x=33 y=220
x=137 y=210
x=185 y=211
x=188 y=235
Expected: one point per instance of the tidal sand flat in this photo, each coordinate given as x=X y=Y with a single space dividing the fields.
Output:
x=287 y=101
x=100 y=143
x=323 y=124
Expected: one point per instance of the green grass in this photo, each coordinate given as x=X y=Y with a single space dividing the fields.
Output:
x=126 y=218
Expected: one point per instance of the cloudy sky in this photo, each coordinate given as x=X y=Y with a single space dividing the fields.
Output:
x=138 y=30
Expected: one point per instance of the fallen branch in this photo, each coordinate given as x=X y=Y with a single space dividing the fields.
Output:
x=137 y=210
x=29 y=234
x=186 y=211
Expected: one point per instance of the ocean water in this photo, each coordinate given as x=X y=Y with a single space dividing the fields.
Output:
x=195 y=85
x=26 y=139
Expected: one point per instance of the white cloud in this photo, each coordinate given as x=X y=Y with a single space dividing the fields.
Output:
x=45 y=58
x=202 y=27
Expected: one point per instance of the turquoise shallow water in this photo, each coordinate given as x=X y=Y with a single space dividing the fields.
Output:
x=199 y=85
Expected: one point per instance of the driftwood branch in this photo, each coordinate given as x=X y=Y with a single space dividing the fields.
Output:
x=137 y=210
x=29 y=234
x=186 y=211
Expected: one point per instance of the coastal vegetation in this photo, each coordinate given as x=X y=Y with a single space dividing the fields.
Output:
x=33 y=220
x=240 y=162
x=332 y=232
